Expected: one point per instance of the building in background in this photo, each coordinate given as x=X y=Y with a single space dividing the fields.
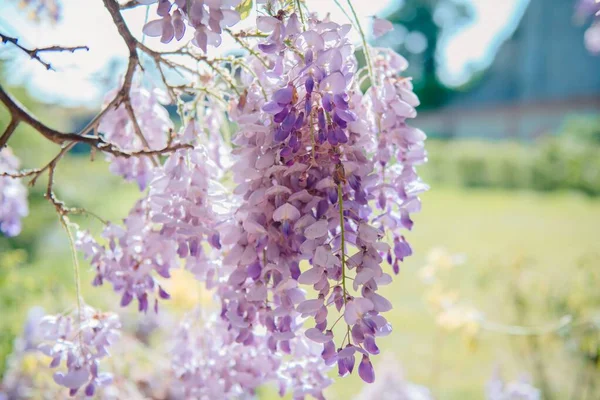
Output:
x=541 y=75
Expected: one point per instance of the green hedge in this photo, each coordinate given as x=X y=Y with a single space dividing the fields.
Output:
x=569 y=161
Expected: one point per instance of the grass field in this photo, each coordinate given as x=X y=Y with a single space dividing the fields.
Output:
x=495 y=229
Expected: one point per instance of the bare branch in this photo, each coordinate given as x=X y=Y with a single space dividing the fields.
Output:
x=138 y=130
x=35 y=53
x=113 y=8
x=14 y=122
x=20 y=113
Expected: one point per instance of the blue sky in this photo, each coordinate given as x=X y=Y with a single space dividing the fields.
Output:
x=85 y=22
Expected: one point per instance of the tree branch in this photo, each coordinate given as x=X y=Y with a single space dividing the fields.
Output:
x=14 y=122
x=34 y=54
x=19 y=112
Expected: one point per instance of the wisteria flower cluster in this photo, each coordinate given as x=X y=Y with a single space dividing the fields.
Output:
x=306 y=186
x=80 y=341
x=133 y=256
x=307 y=182
x=13 y=195
x=150 y=131
x=213 y=366
x=207 y=18
x=289 y=197
x=218 y=366
x=169 y=226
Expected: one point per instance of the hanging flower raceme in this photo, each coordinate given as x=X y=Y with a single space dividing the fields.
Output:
x=186 y=204
x=306 y=181
x=13 y=195
x=322 y=173
x=207 y=18
x=150 y=132
x=178 y=216
x=134 y=256
x=304 y=373
x=399 y=149
x=216 y=366
x=206 y=122
x=80 y=341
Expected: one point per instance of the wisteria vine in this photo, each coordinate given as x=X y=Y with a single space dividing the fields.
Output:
x=323 y=164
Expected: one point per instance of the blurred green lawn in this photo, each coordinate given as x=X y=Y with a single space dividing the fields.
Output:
x=494 y=228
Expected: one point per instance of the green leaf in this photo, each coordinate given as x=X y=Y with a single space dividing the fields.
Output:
x=244 y=8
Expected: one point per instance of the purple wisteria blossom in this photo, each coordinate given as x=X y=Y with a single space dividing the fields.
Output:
x=306 y=180
x=171 y=224
x=324 y=182
x=381 y=26
x=134 y=257
x=80 y=341
x=13 y=195
x=186 y=205
x=217 y=365
x=399 y=149
x=118 y=128
x=207 y=18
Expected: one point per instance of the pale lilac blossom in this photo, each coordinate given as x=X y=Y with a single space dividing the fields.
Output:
x=301 y=159
x=207 y=18
x=13 y=195
x=522 y=389
x=155 y=126
x=80 y=341
x=381 y=26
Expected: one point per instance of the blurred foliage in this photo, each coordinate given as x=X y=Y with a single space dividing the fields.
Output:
x=427 y=21
x=546 y=320
x=568 y=161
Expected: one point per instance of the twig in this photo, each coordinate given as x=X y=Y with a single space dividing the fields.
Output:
x=364 y=42
x=516 y=330
x=343 y=255
x=301 y=13
x=65 y=223
x=14 y=122
x=18 y=111
x=138 y=130
x=34 y=54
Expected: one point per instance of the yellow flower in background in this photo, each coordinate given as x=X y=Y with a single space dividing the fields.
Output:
x=186 y=292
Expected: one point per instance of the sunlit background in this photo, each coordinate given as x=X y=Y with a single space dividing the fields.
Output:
x=506 y=269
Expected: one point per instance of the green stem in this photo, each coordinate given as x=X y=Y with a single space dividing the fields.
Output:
x=516 y=330
x=364 y=42
x=343 y=249
x=337 y=3
x=301 y=14
x=65 y=223
x=251 y=72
